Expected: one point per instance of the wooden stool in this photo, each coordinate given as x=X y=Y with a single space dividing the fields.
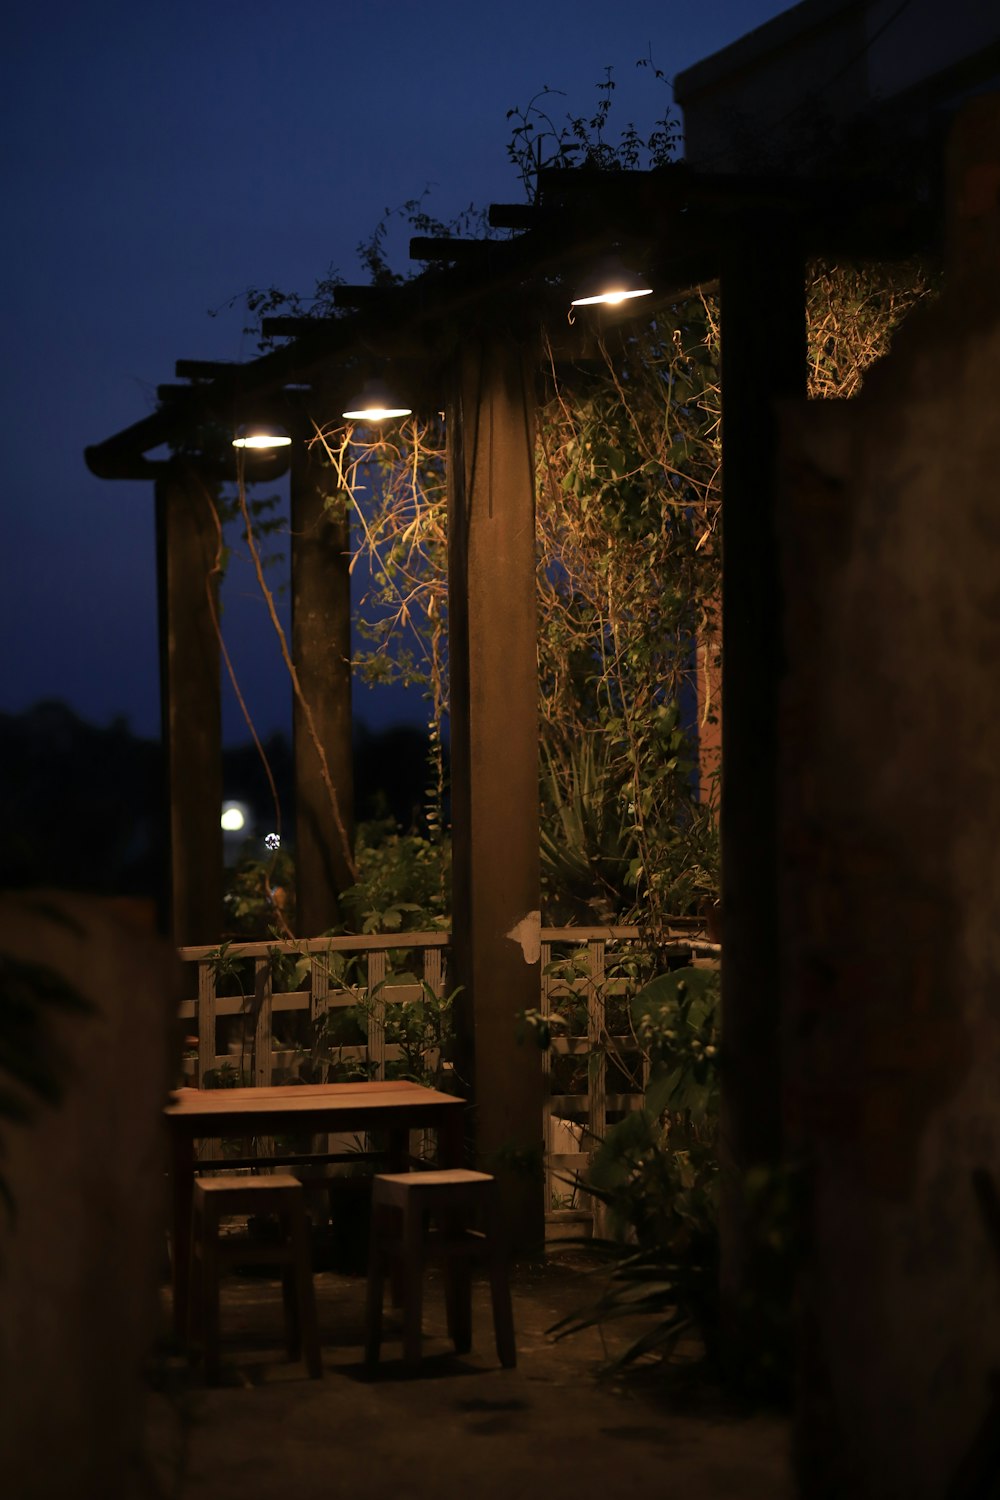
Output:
x=281 y=1195
x=401 y=1205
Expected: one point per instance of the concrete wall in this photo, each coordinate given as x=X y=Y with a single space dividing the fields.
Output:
x=783 y=97
x=891 y=868
x=81 y=1259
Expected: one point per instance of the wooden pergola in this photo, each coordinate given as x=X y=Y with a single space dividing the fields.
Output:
x=471 y=325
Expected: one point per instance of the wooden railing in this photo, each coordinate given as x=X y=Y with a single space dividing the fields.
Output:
x=583 y=1000
x=269 y=1061
x=600 y=1039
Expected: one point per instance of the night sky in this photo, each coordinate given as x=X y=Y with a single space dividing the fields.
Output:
x=160 y=159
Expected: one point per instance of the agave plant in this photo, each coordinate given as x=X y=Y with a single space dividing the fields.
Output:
x=587 y=837
x=656 y=1173
x=664 y=1261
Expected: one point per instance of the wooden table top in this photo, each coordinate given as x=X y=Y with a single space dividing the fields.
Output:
x=306 y=1098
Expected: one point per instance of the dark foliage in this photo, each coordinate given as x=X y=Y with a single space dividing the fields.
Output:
x=79 y=805
x=82 y=807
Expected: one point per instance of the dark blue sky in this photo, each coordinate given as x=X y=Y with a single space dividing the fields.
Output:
x=159 y=159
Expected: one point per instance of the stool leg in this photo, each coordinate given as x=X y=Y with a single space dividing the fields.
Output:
x=194 y=1316
x=374 y=1293
x=458 y=1302
x=503 y=1314
x=290 y=1302
x=209 y=1299
x=413 y=1282
x=307 y=1327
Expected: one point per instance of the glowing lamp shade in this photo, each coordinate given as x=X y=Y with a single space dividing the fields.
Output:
x=611 y=297
x=375 y=404
x=610 y=285
x=261 y=435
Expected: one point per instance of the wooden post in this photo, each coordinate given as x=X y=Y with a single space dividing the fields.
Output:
x=321 y=650
x=496 y=943
x=763 y=360
x=191 y=713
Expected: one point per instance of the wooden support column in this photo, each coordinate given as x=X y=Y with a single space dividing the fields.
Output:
x=321 y=650
x=191 y=714
x=494 y=757
x=763 y=361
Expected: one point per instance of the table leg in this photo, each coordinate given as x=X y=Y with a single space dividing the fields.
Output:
x=451 y=1138
x=182 y=1171
x=399 y=1148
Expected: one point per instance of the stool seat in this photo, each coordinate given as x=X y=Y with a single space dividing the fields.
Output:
x=283 y=1195
x=403 y=1204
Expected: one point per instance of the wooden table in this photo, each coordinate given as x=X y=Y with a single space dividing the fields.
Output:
x=393 y=1108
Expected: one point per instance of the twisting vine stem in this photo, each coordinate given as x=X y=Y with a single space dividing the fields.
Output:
x=213 y=576
x=286 y=657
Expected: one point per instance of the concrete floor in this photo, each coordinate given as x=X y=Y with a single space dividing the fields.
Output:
x=551 y=1429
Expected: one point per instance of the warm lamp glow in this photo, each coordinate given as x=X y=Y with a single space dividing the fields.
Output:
x=611 y=297
x=261 y=436
x=612 y=281
x=233 y=818
x=375 y=404
x=378 y=413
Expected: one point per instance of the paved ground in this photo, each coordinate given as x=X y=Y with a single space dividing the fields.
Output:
x=549 y=1430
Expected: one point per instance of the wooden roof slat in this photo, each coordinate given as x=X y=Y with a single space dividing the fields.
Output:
x=203 y=369
x=675 y=218
x=368 y=294
x=441 y=247
x=294 y=325
x=512 y=215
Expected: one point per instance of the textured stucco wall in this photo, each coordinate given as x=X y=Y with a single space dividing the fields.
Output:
x=891 y=864
x=80 y=1261
x=782 y=96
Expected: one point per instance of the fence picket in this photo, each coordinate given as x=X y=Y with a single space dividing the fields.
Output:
x=262 y=1022
x=434 y=970
x=206 y=1021
x=206 y=1041
x=551 y=1181
x=376 y=1012
x=319 y=987
x=597 y=1066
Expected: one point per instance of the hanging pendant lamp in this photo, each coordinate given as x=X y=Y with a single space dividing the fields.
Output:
x=376 y=403
x=261 y=436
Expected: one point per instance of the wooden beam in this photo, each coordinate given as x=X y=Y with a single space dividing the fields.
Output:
x=291 y=325
x=441 y=247
x=186 y=545
x=367 y=296
x=512 y=215
x=763 y=362
x=494 y=748
x=203 y=369
x=133 y=468
x=321 y=650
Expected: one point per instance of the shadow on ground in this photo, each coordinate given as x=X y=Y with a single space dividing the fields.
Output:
x=552 y=1429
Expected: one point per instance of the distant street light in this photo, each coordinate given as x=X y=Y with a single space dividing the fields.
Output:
x=234 y=817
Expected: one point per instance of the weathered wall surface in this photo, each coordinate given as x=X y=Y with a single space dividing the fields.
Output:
x=780 y=97
x=891 y=866
x=80 y=1262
